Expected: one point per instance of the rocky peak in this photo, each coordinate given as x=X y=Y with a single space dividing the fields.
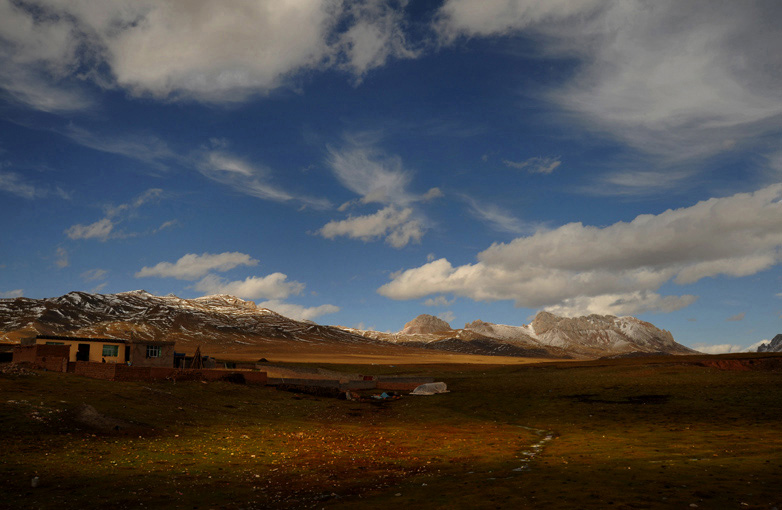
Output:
x=424 y=324
x=775 y=345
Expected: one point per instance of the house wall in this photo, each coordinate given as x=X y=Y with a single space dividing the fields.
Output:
x=96 y=349
x=49 y=357
x=138 y=356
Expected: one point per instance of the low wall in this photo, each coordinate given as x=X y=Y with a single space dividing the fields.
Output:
x=322 y=383
x=119 y=372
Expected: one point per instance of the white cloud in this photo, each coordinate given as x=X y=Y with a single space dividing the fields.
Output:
x=718 y=349
x=98 y=230
x=618 y=268
x=10 y=294
x=536 y=165
x=736 y=318
x=298 y=312
x=187 y=49
x=192 y=266
x=249 y=179
x=397 y=226
x=273 y=286
x=678 y=80
x=754 y=347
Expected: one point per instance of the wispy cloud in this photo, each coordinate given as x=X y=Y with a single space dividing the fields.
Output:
x=11 y=293
x=736 y=318
x=536 y=165
x=94 y=274
x=104 y=228
x=250 y=179
x=15 y=184
x=495 y=217
x=62 y=258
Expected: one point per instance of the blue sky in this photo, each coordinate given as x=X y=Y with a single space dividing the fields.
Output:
x=360 y=163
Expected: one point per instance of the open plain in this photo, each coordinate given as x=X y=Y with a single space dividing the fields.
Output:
x=657 y=432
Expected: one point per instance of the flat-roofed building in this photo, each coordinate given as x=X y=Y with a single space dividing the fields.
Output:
x=147 y=353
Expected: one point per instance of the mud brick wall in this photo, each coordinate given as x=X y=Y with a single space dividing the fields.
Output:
x=24 y=353
x=95 y=370
x=52 y=363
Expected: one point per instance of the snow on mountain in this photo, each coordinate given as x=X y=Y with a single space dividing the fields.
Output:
x=219 y=319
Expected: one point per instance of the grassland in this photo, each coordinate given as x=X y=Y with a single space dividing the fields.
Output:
x=626 y=434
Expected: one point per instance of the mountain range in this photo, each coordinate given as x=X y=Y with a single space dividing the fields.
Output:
x=224 y=321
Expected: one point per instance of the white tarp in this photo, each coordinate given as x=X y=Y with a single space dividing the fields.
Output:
x=431 y=388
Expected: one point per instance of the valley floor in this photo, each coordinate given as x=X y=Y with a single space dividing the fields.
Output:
x=605 y=434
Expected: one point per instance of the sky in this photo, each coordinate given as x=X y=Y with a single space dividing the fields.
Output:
x=361 y=163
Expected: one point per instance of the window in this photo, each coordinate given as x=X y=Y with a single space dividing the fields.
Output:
x=154 y=351
x=111 y=351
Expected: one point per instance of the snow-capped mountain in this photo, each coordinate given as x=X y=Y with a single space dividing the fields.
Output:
x=228 y=320
x=547 y=335
x=218 y=319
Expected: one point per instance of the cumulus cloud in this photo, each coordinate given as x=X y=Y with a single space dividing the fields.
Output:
x=536 y=165
x=250 y=179
x=618 y=269
x=273 y=286
x=678 y=80
x=11 y=293
x=187 y=49
x=397 y=226
x=298 y=312
x=192 y=266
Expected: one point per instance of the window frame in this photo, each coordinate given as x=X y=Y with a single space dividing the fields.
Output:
x=113 y=351
x=154 y=351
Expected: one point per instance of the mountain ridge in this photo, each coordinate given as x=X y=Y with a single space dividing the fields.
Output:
x=225 y=320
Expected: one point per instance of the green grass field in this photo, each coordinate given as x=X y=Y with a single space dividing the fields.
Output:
x=639 y=434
